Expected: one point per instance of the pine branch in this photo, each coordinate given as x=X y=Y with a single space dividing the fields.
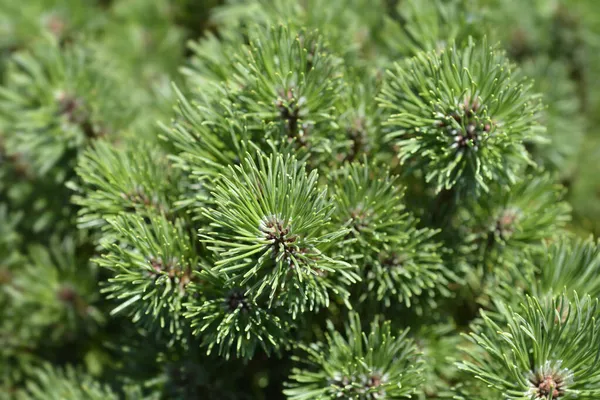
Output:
x=230 y=321
x=138 y=181
x=571 y=265
x=357 y=365
x=270 y=229
x=548 y=350
x=396 y=260
x=461 y=116
x=153 y=260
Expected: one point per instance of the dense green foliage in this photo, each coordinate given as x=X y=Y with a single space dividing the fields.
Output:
x=269 y=199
